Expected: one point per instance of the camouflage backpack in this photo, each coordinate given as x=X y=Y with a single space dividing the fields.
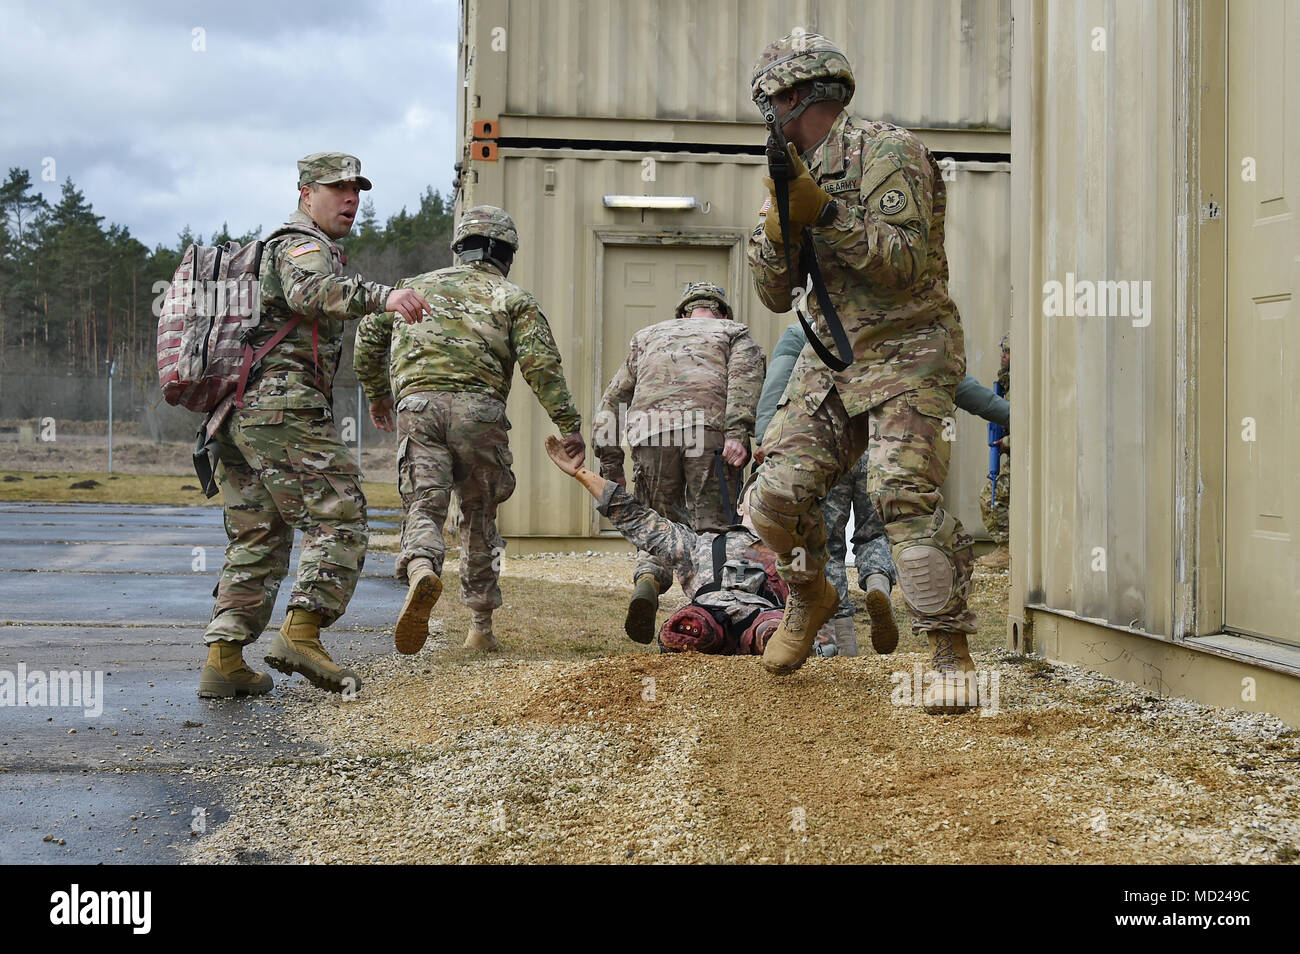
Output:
x=211 y=307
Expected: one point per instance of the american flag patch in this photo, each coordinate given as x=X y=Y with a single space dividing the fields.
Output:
x=304 y=249
x=766 y=206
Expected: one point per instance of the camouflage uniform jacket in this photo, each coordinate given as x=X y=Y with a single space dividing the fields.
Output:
x=690 y=554
x=301 y=274
x=481 y=325
x=705 y=369
x=883 y=261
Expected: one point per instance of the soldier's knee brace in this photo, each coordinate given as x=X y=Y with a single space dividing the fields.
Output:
x=928 y=575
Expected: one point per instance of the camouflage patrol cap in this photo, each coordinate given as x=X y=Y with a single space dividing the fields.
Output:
x=800 y=58
x=489 y=222
x=703 y=293
x=327 y=168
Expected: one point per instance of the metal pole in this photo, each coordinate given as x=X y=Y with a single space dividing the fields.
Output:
x=112 y=366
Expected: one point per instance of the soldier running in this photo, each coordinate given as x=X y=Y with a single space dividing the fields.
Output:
x=451 y=375
x=687 y=393
x=281 y=464
x=871 y=201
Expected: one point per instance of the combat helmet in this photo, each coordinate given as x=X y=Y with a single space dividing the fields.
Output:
x=803 y=58
x=498 y=239
x=703 y=293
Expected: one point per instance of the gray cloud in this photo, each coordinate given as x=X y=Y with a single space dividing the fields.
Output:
x=159 y=135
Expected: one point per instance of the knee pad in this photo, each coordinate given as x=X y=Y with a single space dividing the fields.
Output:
x=928 y=575
x=775 y=517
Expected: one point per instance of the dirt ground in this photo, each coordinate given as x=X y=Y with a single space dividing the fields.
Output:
x=575 y=745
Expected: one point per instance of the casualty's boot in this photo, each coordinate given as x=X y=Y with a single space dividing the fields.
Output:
x=826 y=645
x=640 y=622
x=423 y=590
x=810 y=605
x=846 y=638
x=884 y=628
x=952 y=687
x=480 y=633
x=226 y=674
x=297 y=648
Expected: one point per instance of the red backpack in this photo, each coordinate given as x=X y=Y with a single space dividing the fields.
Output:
x=211 y=307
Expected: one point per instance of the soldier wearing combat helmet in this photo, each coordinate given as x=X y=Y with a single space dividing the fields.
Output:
x=450 y=376
x=281 y=464
x=869 y=200
x=684 y=400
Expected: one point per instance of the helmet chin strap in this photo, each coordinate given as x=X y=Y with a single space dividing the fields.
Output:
x=817 y=92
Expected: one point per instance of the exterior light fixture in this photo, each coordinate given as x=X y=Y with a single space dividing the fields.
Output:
x=676 y=203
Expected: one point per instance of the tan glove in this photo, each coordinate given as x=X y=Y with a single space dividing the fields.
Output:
x=807 y=200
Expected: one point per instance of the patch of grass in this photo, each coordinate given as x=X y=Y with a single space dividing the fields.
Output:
x=165 y=490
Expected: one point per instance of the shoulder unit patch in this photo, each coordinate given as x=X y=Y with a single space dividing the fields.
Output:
x=892 y=201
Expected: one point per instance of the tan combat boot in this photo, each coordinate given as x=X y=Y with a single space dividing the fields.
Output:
x=480 y=634
x=952 y=688
x=809 y=607
x=297 y=648
x=422 y=593
x=884 y=628
x=227 y=675
x=640 y=622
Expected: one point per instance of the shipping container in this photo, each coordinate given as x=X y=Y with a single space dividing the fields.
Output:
x=565 y=102
x=1155 y=350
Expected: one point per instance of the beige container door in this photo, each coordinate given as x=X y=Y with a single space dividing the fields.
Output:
x=640 y=286
x=1262 y=519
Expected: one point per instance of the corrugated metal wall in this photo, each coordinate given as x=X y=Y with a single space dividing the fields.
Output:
x=556 y=263
x=918 y=63
x=1093 y=197
x=571 y=69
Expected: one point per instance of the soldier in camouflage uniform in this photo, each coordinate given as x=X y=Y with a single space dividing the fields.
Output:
x=874 y=561
x=687 y=393
x=872 y=202
x=683 y=551
x=281 y=464
x=451 y=375
x=995 y=504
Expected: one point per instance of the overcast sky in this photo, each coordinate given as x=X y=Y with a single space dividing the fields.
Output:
x=159 y=135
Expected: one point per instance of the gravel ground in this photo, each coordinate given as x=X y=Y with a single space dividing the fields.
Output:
x=636 y=757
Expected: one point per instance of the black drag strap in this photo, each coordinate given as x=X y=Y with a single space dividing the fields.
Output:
x=808 y=262
x=728 y=506
x=719 y=560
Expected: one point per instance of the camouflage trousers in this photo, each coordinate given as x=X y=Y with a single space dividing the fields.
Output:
x=995 y=508
x=870 y=542
x=811 y=445
x=682 y=484
x=279 y=470
x=455 y=442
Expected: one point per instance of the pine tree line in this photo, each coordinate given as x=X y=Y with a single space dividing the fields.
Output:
x=75 y=295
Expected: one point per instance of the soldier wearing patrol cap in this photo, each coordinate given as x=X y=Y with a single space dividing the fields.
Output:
x=870 y=199
x=281 y=463
x=685 y=397
x=450 y=376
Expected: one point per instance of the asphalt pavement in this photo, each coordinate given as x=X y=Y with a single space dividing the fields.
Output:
x=111 y=600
